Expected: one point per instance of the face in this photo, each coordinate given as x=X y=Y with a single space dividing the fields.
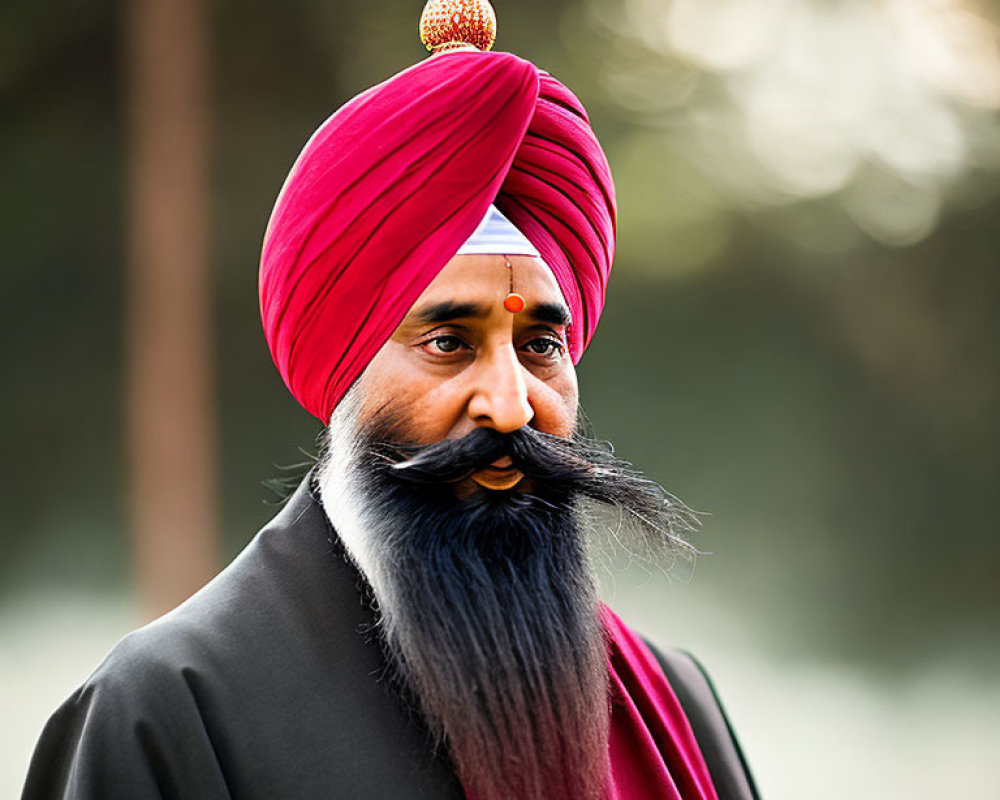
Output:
x=460 y=360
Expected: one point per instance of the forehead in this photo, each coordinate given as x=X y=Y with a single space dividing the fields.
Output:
x=484 y=278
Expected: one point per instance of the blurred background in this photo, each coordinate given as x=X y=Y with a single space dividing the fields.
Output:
x=801 y=340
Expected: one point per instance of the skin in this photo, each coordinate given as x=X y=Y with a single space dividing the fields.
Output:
x=460 y=360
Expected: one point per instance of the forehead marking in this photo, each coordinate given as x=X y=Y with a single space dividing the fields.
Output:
x=513 y=302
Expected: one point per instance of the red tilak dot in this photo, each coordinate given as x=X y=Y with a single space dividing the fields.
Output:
x=514 y=303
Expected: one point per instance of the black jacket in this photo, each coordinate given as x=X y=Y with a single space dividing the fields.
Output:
x=269 y=684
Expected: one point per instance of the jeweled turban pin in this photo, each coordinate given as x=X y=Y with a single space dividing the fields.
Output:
x=449 y=25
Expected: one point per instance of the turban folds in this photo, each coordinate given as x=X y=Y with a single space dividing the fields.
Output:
x=389 y=187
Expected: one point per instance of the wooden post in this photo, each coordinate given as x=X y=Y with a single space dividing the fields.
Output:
x=168 y=405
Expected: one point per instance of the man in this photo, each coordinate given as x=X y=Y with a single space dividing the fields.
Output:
x=421 y=620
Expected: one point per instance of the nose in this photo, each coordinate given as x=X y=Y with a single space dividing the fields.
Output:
x=499 y=397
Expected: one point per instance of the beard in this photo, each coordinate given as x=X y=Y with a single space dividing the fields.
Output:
x=488 y=607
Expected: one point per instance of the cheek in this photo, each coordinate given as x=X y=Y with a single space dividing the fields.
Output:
x=393 y=383
x=373 y=389
x=556 y=405
x=386 y=383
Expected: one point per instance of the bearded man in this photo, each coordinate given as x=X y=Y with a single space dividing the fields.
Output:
x=421 y=619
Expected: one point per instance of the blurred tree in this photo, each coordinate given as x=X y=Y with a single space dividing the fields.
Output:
x=169 y=382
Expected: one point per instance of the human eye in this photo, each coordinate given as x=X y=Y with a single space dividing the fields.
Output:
x=443 y=344
x=548 y=347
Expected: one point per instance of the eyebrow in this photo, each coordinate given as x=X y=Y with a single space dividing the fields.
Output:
x=436 y=313
x=448 y=310
x=552 y=313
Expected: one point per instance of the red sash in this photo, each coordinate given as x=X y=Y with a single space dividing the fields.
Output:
x=654 y=755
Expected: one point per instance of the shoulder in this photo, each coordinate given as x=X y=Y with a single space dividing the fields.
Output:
x=288 y=599
x=132 y=730
x=148 y=666
x=174 y=697
x=709 y=722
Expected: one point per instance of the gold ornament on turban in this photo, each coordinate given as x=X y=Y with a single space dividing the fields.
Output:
x=449 y=25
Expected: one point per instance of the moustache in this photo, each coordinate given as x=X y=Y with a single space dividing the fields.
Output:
x=576 y=465
x=540 y=456
x=449 y=460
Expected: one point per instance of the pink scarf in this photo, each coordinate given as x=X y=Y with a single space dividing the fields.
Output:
x=654 y=755
x=391 y=185
x=653 y=752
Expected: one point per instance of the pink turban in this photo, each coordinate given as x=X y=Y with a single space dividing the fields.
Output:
x=390 y=186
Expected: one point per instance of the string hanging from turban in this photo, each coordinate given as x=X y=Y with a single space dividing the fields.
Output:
x=391 y=185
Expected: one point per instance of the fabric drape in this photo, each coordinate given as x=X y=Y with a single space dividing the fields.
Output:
x=390 y=186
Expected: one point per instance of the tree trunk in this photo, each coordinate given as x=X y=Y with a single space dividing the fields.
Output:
x=168 y=405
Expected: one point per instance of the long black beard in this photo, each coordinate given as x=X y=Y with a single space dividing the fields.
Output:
x=489 y=608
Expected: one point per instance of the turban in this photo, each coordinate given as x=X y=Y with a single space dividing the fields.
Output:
x=386 y=191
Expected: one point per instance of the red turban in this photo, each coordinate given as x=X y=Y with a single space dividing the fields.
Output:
x=390 y=186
